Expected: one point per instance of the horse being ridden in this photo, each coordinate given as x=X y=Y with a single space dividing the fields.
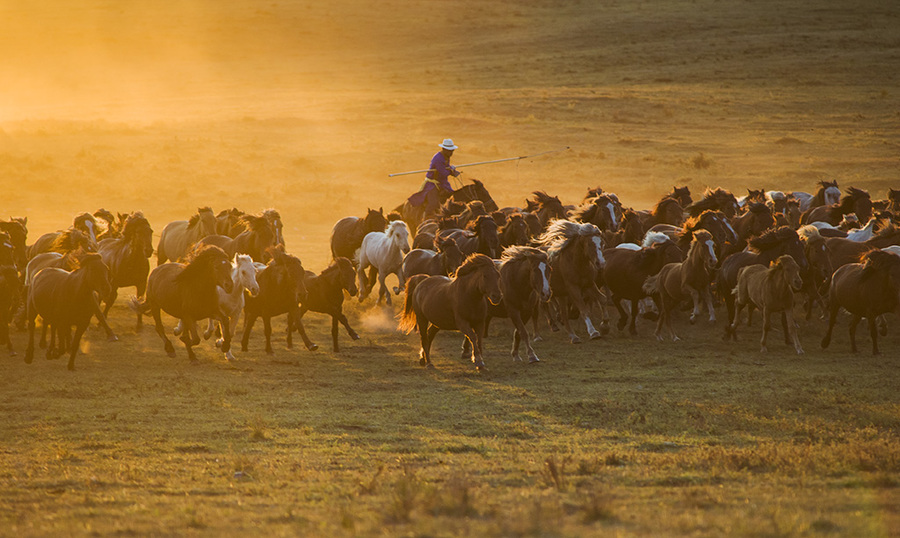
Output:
x=771 y=289
x=866 y=290
x=188 y=291
x=383 y=251
x=128 y=259
x=179 y=236
x=64 y=299
x=460 y=303
x=690 y=278
x=325 y=294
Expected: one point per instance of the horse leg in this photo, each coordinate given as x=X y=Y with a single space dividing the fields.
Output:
x=267 y=330
x=632 y=330
x=334 y=334
x=535 y=315
x=30 y=316
x=709 y=304
x=832 y=317
x=766 y=322
x=343 y=319
x=562 y=304
x=472 y=336
x=623 y=316
x=98 y=313
x=854 y=321
x=210 y=328
x=873 y=333
x=249 y=320
x=298 y=322
x=157 y=319
x=731 y=328
x=784 y=327
x=401 y=283
x=141 y=291
x=44 y=328
x=289 y=333
x=521 y=334
x=113 y=294
x=695 y=297
x=76 y=341
x=792 y=327
x=427 y=333
x=225 y=322
x=383 y=290
x=363 y=282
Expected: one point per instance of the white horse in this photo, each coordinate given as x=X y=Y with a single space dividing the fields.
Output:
x=863 y=234
x=243 y=274
x=384 y=251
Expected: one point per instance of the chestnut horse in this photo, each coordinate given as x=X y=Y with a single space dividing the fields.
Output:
x=325 y=294
x=599 y=211
x=771 y=289
x=445 y=261
x=179 y=236
x=844 y=251
x=678 y=281
x=515 y=231
x=866 y=290
x=348 y=233
x=525 y=284
x=717 y=200
x=281 y=289
x=755 y=221
x=128 y=259
x=435 y=303
x=258 y=236
x=667 y=211
x=483 y=239
x=64 y=299
x=188 y=291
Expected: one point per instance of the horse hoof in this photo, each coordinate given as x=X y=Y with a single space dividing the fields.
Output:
x=312 y=347
x=171 y=354
x=480 y=366
x=533 y=360
x=517 y=358
x=576 y=340
x=604 y=328
x=596 y=335
x=397 y=290
x=676 y=339
x=354 y=336
x=693 y=320
x=423 y=362
x=554 y=328
x=112 y=338
x=537 y=338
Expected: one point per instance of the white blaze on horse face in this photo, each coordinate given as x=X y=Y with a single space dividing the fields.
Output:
x=728 y=224
x=612 y=215
x=712 y=252
x=90 y=227
x=599 y=244
x=546 y=287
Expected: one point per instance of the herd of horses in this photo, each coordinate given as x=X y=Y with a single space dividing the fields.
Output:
x=543 y=264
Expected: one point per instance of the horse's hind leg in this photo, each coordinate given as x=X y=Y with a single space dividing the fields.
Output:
x=249 y=320
x=832 y=317
x=267 y=329
x=383 y=290
x=343 y=319
x=298 y=323
x=157 y=319
x=767 y=324
x=98 y=313
x=854 y=321
x=873 y=333
x=792 y=327
x=76 y=341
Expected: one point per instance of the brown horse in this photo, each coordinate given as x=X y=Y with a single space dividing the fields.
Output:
x=683 y=195
x=627 y=270
x=282 y=288
x=459 y=304
x=855 y=201
x=179 y=236
x=818 y=274
x=546 y=207
x=714 y=222
x=575 y=251
x=771 y=289
x=599 y=211
x=483 y=239
x=631 y=230
x=844 y=251
x=893 y=201
x=66 y=240
x=187 y=291
x=473 y=210
x=112 y=224
x=18 y=235
x=325 y=294
x=257 y=237
x=10 y=297
x=667 y=211
x=445 y=261
x=755 y=221
x=525 y=284
x=348 y=233
x=413 y=215
x=127 y=259
x=515 y=231
x=226 y=221
x=866 y=290
x=717 y=200
x=676 y=282
x=64 y=299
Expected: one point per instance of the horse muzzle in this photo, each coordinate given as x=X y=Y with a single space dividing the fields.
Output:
x=495 y=298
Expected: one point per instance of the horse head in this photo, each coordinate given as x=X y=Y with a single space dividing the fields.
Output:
x=87 y=224
x=347 y=275
x=374 y=221
x=291 y=273
x=488 y=238
x=246 y=273
x=790 y=271
x=207 y=221
x=274 y=218
x=451 y=256
x=482 y=194
x=137 y=231
x=487 y=274
x=703 y=241
x=398 y=233
x=96 y=273
x=683 y=195
x=515 y=231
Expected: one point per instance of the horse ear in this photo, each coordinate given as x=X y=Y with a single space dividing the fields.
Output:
x=381 y=210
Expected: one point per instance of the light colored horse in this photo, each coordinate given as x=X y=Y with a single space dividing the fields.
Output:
x=771 y=289
x=384 y=251
x=179 y=236
x=863 y=234
x=243 y=275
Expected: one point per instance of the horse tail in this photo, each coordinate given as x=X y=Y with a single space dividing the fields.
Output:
x=651 y=285
x=408 y=318
x=138 y=305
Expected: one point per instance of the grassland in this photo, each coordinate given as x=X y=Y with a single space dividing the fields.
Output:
x=307 y=106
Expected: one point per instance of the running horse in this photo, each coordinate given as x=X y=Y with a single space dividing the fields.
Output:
x=413 y=215
x=716 y=199
x=325 y=294
x=128 y=259
x=599 y=211
x=84 y=224
x=525 y=284
x=435 y=303
x=18 y=235
x=257 y=237
x=483 y=239
x=667 y=211
x=348 y=233
x=282 y=288
x=384 y=251
x=856 y=201
x=445 y=261
x=179 y=236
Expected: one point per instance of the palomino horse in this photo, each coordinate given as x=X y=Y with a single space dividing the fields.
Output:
x=445 y=261
x=764 y=250
x=281 y=290
x=855 y=201
x=627 y=270
x=771 y=289
x=575 y=252
x=678 y=281
x=483 y=239
x=866 y=290
x=64 y=299
x=10 y=296
x=18 y=234
x=717 y=200
x=348 y=233
x=525 y=284
x=325 y=294
x=127 y=259
x=460 y=303
x=413 y=215
x=384 y=251
x=188 y=291
x=257 y=237
x=667 y=211
x=179 y=236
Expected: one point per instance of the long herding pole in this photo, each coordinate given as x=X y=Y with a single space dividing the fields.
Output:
x=483 y=162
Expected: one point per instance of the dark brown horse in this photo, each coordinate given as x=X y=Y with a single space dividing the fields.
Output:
x=667 y=211
x=866 y=290
x=65 y=299
x=515 y=231
x=894 y=201
x=764 y=250
x=575 y=251
x=716 y=199
x=546 y=207
x=844 y=251
x=525 y=283
x=348 y=233
x=127 y=259
x=676 y=282
x=683 y=195
x=755 y=221
x=325 y=294
x=724 y=236
x=255 y=241
x=187 y=291
x=631 y=230
x=818 y=274
x=435 y=303
x=483 y=239
x=467 y=217
x=282 y=287
x=627 y=270
x=10 y=297
x=856 y=201
x=445 y=261
x=18 y=235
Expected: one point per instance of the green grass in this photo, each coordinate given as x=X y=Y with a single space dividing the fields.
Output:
x=622 y=435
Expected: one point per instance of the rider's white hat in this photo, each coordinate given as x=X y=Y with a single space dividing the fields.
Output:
x=448 y=144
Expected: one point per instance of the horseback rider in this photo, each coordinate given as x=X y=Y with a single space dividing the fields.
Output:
x=436 y=187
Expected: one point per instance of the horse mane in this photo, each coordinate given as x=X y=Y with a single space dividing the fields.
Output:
x=663 y=203
x=440 y=243
x=254 y=223
x=481 y=221
x=651 y=238
x=69 y=240
x=476 y=207
x=394 y=225
x=271 y=213
x=561 y=233
x=195 y=219
x=134 y=221
x=585 y=212
x=84 y=217
x=772 y=237
x=758 y=207
x=474 y=263
x=851 y=197
x=875 y=261
x=826 y=184
x=810 y=234
x=199 y=260
x=452 y=207
x=518 y=253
